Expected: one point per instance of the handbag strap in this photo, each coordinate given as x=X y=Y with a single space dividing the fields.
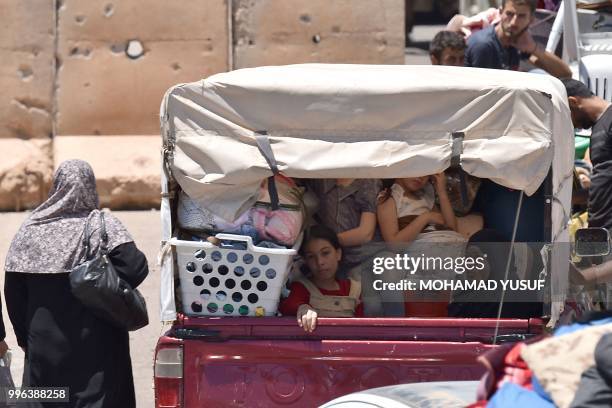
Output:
x=103 y=236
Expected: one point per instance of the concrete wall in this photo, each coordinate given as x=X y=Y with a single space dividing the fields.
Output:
x=27 y=35
x=85 y=79
x=101 y=89
x=273 y=32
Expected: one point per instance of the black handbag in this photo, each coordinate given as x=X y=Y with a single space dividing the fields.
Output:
x=96 y=284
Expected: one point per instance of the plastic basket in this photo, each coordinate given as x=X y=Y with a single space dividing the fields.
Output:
x=217 y=281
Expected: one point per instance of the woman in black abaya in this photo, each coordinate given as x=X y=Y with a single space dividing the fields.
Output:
x=64 y=343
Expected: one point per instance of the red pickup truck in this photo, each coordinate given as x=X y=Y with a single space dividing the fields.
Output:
x=227 y=133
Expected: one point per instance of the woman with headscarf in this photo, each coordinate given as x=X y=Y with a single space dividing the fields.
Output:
x=64 y=343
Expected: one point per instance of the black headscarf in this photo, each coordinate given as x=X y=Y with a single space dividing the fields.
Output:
x=50 y=239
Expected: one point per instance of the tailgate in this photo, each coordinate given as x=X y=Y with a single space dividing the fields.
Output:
x=271 y=362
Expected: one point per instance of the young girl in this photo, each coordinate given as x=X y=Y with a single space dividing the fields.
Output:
x=407 y=211
x=408 y=208
x=322 y=293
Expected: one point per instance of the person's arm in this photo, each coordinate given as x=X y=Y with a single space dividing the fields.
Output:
x=365 y=204
x=601 y=273
x=307 y=318
x=549 y=62
x=360 y=235
x=298 y=296
x=389 y=226
x=587 y=156
x=297 y=304
x=16 y=297
x=130 y=263
x=541 y=58
x=445 y=205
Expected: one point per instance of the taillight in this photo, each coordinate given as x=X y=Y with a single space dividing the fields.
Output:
x=169 y=377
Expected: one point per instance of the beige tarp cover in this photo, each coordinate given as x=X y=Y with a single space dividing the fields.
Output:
x=366 y=121
x=363 y=121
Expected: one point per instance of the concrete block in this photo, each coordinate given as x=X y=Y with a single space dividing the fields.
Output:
x=269 y=32
x=119 y=57
x=127 y=168
x=26 y=172
x=26 y=68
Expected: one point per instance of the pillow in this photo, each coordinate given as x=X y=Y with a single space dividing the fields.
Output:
x=558 y=362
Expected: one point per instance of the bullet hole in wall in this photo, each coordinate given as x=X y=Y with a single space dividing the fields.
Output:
x=25 y=72
x=134 y=49
x=109 y=9
x=80 y=52
x=118 y=48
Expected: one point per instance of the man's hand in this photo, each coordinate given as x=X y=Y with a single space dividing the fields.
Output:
x=307 y=318
x=439 y=181
x=575 y=275
x=524 y=42
x=3 y=348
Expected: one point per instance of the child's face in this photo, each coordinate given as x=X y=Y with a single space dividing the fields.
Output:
x=322 y=258
x=414 y=184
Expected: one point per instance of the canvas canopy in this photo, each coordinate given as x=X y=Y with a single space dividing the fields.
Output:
x=366 y=121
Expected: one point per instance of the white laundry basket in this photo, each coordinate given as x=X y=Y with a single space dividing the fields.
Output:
x=217 y=281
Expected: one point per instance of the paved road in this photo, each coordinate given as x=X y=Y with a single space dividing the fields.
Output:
x=144 y=227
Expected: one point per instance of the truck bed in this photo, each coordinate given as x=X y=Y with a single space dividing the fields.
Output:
x=271 y=362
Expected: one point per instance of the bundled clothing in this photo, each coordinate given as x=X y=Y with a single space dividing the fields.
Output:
x=260 y=222
x=535 y=373
x=66 y=345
